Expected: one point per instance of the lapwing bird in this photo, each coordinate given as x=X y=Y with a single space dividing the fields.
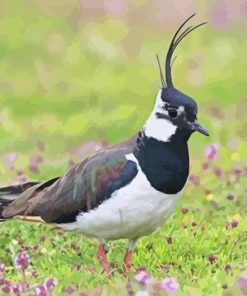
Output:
x=128 y=190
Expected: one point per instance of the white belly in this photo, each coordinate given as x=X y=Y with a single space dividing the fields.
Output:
x=133 y=211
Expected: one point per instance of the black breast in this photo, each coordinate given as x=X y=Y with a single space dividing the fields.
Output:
x=165 y=164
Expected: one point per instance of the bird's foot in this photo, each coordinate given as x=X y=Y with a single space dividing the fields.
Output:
x=101 y=254
x=127 y=262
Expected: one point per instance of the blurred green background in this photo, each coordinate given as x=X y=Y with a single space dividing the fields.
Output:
x=78 y=75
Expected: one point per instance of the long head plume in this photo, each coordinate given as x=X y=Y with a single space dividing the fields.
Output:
x=177 y=38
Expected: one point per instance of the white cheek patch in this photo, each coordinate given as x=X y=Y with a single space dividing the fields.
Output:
x=159 y=129
x=180 y=109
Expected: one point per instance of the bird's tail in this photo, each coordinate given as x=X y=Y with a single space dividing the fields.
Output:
x=10 y=193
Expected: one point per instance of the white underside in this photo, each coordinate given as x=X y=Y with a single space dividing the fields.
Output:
x=133 y=211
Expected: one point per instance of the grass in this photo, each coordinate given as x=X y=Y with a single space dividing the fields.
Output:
x=74 y=78
x=202 y=245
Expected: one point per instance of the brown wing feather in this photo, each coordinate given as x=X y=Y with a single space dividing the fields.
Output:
x=76 y=190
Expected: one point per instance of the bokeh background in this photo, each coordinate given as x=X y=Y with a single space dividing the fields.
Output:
x=76 y=76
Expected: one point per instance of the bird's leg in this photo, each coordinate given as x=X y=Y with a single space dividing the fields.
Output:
x=128 y=257
x=101 y=254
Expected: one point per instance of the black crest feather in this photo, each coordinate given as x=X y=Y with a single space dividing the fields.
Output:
x=177 y=38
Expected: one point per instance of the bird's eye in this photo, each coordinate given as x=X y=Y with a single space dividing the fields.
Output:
x=173 y=113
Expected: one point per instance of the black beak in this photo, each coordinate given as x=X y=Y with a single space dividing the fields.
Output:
x=196 y=126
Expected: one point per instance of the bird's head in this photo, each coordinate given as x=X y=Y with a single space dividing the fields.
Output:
x=174 y=112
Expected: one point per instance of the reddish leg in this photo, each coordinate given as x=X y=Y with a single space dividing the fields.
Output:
x=127 y=262
x=101 y=254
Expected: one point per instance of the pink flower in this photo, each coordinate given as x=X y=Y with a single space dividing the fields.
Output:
x=170 y=285
x=70 y=289
x=2 y=269
x=6 y=289
x=217 y=172
x=22 y=178
x=34 y=274
x=242 y=282
x=195 y=180
x=17 y=289
x=42 y=238
x=22 y=261
x=211 y=151
x=234 y=223
x=205 y=166
x=40 y=290
x=143 y=277
x=212 y=258
x=50 y=283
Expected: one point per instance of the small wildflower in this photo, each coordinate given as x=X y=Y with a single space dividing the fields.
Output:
x=217 y=172
x=195 y=180
x=70 y=289
x=209 y=197
x=184 y=210
x=170 y=285
x=34 y=274
x=6 y=289
x=212 y=258
x=77 y=267
x=35 y=247
x=40 y=290
x=42 y=238
x=169 y=240
x=33 y=167
x=43 y=250
x=14 y=242
x=143 y=277
x=17 y=289
x=228 y=268
x=39 y=158
x=22 y=179
x=211 y=151
x=205 y=166
x=22 y=261
x=50 y=283
x=234 y=223
x=2 y=281
x=73 y=246
x=242 y=282
x=2 y=269
x=230 y=196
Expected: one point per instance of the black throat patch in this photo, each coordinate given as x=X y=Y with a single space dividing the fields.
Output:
x=165 y=164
